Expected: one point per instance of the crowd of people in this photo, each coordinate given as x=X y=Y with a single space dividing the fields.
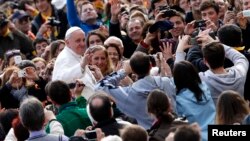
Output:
x=122 y=70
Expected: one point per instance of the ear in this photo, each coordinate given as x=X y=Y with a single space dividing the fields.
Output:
x=206 y=63
x=67 y=42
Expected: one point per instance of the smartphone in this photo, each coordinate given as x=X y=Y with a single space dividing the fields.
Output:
x=168 y=13
x=91 y=135
x=17 y=59
x=246 y=13
x=200 y=23
x=21 y=73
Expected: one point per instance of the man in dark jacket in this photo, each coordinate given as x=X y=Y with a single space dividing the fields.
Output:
x=13 y=39
x=101 y=112
x=47 y=20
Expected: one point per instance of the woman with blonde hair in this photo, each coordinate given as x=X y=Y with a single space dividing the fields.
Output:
x=100 y=59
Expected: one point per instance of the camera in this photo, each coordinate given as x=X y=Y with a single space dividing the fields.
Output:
x=161 y=25
x=165 y=7
x=168 y=13
x=246 y=13
x=193 y=40
x=21 y=73
x=17 y=59
x=90 y=135
x=200 y=23
x=53 y=21
x=73 y=85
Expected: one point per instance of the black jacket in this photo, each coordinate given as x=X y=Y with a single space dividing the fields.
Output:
x=59 y=15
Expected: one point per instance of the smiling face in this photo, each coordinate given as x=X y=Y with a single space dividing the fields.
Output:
x=135 y=30
x=40 y=66
x=210 y=14
x=76 y=42
x=179 y=26
x=113 y=55
x=100 y=59
x=42 y=5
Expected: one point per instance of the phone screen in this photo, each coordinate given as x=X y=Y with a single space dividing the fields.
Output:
x=91 y=135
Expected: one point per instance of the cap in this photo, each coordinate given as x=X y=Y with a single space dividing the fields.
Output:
x=71 y=30
x=19 y=15
x=59 y=4
x=3 y=19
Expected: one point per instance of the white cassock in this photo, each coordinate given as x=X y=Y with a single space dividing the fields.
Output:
x=67 y=68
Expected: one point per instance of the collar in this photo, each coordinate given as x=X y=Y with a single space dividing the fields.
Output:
x=35 y=134
x=68 y=105
x=72 y=52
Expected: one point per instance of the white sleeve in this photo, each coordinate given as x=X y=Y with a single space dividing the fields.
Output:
x=10 y=136
x=56 y=128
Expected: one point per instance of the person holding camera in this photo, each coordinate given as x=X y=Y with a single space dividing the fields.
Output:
x=50 y=22
x=12 y=38
x=22 y=21
x=131 y=100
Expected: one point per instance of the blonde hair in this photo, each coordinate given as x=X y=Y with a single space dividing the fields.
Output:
x=109 y=66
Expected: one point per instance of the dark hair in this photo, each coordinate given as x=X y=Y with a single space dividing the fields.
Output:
x=158 y=104
x=140 y=64
x=134 y=133
x=26 y=63
x=209 y=4
x=9 y=54
x=100 y=112
x=20 y=131
x=186 y=76
x=97 y=33
x=153 y=4
x=178 y=14
x=230 y=35
x=6 y=118
x=187 y=133
x=214 y=54
x=39 y=40
x=58 y=91
x=54 y=47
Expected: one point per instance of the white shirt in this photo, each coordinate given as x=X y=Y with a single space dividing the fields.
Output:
x=67 y=68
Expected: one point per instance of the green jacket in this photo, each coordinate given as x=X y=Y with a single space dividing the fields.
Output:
x=72 y=118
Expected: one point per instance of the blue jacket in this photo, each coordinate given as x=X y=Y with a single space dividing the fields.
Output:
x=74 y=20
x=132 y=100
x=202 y=112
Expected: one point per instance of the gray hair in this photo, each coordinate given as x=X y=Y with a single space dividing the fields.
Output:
x=32 y=114
x=115 y=39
